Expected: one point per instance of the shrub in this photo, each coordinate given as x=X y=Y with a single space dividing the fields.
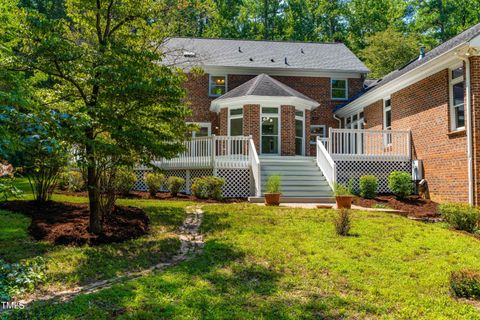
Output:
x=72 y=180
x=174 y=184
x=273 y=184
x=125 y=179
x=343 y=189
x=342 y=222
x=154 y=182
x=400 y=183
x=16 y=278
x=368 y=187
x=208 y=187
x=465 y=283
x=460 y=216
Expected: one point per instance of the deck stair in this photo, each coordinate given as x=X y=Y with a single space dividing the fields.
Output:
x=302 y=180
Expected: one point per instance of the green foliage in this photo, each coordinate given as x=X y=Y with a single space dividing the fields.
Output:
x=174 y=185
x=72 y=180
x=17 y=278
x=208 y=187
x=389 y=50
x=8 y=189
x=460 y=216
x=340 y=189
x=342 y=222
x=125 y=179
x=154 y=182
x=273 y=184
x=465 y=283
x=400 y=183
x=368 y=187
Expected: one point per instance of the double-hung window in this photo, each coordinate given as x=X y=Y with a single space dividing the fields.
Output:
x=339 y=89
x=387 y=120
x=217 y=85
x=457 y=96
x=317 y=130
x=235 y=127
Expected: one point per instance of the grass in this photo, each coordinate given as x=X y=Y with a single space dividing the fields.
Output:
x=285 y=263
x=69 y=266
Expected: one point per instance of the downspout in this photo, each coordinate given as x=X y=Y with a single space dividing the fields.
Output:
x=339 y=120
x=468 y=113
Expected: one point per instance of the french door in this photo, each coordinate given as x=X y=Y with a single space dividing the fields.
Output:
x=270 y=142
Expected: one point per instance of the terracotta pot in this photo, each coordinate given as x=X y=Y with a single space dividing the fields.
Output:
x=344 y=202
x=272 y=199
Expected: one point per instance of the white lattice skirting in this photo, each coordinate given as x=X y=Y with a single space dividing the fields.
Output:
x=237 y=181
x=347 y=170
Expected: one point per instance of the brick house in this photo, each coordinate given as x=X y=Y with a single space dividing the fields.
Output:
x=306 y=111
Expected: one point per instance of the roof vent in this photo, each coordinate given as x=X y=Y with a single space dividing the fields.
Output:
x=273 y=60
x=301 y=50
x=286 y=62
x=251 y=59
x=189 y=54
x=239 y=49
x=422 y=53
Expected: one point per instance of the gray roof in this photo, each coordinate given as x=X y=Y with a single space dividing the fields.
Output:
x=463 y=37
x=263 y=54
x=263 y=85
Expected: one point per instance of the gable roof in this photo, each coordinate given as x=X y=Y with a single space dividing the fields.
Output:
x=263 y=54
x=263 y=89
x=445 y=47
x=265 y=86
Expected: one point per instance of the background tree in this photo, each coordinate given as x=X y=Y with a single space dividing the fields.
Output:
x=389 y=50
x=104 y=57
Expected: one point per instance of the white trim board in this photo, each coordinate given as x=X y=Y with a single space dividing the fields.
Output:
x=263 y=101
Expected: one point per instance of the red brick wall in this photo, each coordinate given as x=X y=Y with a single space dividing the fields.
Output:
x=287 y=127
x=223 y=115
x=423 y=108
x=475 y=87
x=251 y=123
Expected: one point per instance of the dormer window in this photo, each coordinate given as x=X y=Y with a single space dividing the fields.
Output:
x=189 y=54
x=217 y=85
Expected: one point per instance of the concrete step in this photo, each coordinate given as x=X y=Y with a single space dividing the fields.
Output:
x=307 y=193
x=319 y=187
x=285 y=199
x=312 y=182
x=288 y=168
x=286 y=174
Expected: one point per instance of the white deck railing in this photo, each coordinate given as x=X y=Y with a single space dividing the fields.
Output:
x=326 y=163
x=218 y=152
x=356 y=144
x=255 y=165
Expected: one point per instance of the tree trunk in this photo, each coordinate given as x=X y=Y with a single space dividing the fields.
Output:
x=93 y=188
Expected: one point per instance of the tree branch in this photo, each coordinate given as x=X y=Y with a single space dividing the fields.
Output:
x=99 y=28
x=121 y=23
x=109 y=19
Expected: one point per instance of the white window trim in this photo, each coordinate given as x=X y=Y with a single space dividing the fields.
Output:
x=210 y=84
x=207 y=125
x=302 y=117
x=451 y=83
x=316 y=135
x=235 y=116
x=359 y=122
x=331 y=89
x=279 y=130
x=387 y=142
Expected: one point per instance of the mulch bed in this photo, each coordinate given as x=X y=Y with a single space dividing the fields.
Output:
x=158 y=196
x=67 y=223
x=413 y=206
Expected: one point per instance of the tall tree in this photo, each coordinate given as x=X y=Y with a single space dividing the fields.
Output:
x=105 y=57
x=389 y=50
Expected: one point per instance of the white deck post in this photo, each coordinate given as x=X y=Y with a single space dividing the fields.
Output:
x=214 y=151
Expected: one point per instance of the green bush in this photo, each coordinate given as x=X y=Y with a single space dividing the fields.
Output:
x=154 y=182
x=174 y=184
x=72 y=180
x=208 y=187
x=400 y=183
x=368 y=187
x=125 y=179
x=342 y=222
x=460 y=216
x=17 y=278
x=273 y=184
x=465 y=283
x=340 y=189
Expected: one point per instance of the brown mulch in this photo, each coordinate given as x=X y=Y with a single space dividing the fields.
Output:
x=413 y=206
x=67 y=223
x=158 y=196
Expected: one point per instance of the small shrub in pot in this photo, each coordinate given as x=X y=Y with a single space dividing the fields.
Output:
x=174 y=184
x=400 y=183
x=154 y=182
x=368 y=187
x=343 y=195
x=465 y=283
x=272 y=196
x=460 y=216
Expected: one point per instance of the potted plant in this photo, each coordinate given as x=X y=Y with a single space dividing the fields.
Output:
x=343 y=195
x=272 y=196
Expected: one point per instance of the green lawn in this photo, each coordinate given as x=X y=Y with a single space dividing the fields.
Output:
x=69 y=266
x=279 y=263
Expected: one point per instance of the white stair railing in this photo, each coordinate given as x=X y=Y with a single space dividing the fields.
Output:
x=326 y=163
x=255 y=165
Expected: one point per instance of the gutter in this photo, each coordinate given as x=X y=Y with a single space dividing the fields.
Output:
x=468 y=114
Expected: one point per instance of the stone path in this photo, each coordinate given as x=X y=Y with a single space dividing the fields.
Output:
x=191 y=243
